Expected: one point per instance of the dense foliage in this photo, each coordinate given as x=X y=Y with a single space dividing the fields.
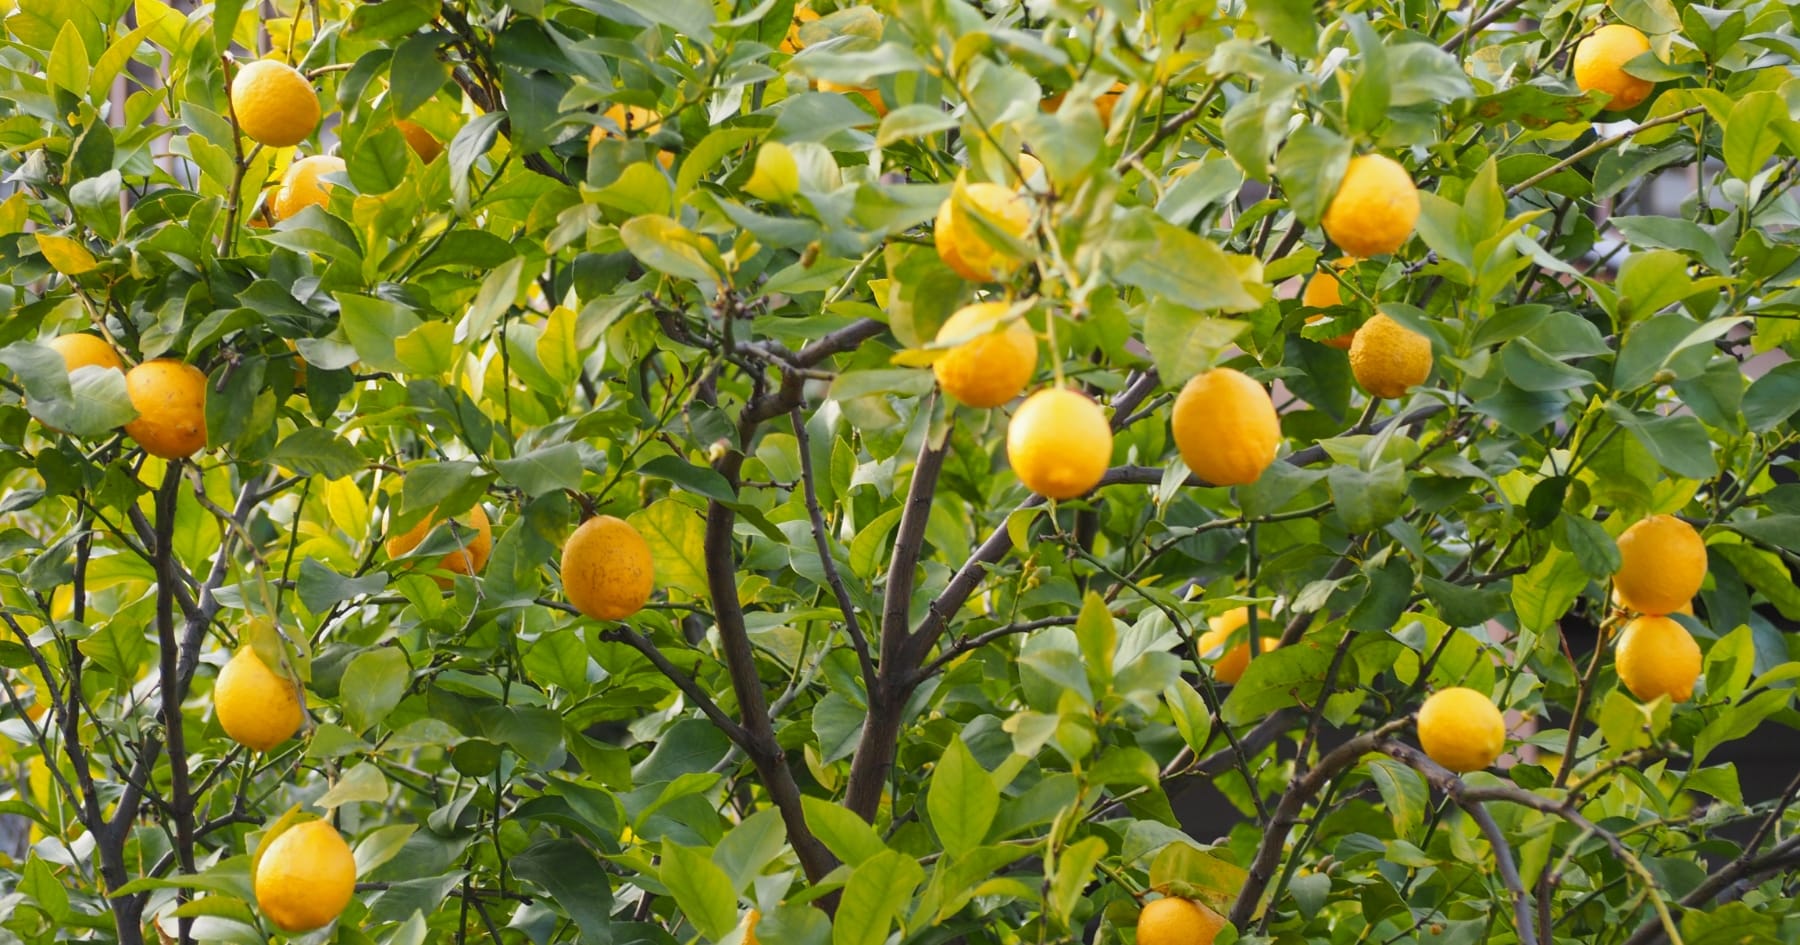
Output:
x=883 y=689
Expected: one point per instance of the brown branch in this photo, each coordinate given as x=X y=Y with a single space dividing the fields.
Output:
x=682 y=681
x=1598 y=147
x=809 y=485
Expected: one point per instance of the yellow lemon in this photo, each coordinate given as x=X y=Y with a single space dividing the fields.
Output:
x=170 y=398
x=306 y=877
x=1461 y=729
x=992 y=367
x=422 y=142
x=1059 y=443
x=274 y=103
x=802 y=16
x=1686 y=609
x=870 y=95
x=960 y=243
x=81 y=349
x=606 y=568
x=1226 y=427
x=1229 y=667
x=1172 y=921
x=1600 y=65
x=1324 y=291
x=304 y=185
x=1662 y=563
x=1105 y=103
x=257 y=707
x=636 y=122
x=1657 y=657
x=1374 y=209
x=1388 y=359
x=468 y=559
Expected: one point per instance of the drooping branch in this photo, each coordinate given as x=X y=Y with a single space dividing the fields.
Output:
x=847 y=605
x=682 y=681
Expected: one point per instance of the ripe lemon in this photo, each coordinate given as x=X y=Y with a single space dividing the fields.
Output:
x=303 y=186
x=1600 y=65
x=1172 y=921
x=274 y=103
x=992 y=367
x=1686 y=609
x=960 y=243
x=306 y=877
x=1229 y=667
x=606 y=569
x=1059 y=443
x=1374 y=209
x=1226 y=427
x=802 y=16
x=1324 y=291
x=636 y=122
x=1657 y=657
x=257 y=707
x=870 y=95
x=1388 y=359
x=170 y=398
x=423 y=143
x=81 y=349
x=1662 y=562
x=469 y=559
x=1461 y=729
x=1105 y=103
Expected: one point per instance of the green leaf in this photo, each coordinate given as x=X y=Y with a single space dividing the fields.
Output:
x=1734 y=923
x=390 y=19
x=962 y=799
x=1188 y=871
x=1311 y=166
x=574 y=877
x=1680 y=444
x=1651 y=281
x=1290 y=23
x=40 y=886
x=691 y=18
x=381 y=845
x=700 y=480
x=363 y=784
x=879 y=889
x=1074 y=870
x=543 y=470
x=372 y=686
x=1772 y=398
x=316 y=451
x=701 y=889
x=1098 y=637
x=1371 y=86
x=676 y=534
x=558 y=658
x=1674 y=233
x=1170 y=261
x=670 y=248
x=1275 y=680
x=1595 y=550
x=1192 y=718
x=416 y=76
x=372 y=324
x=838 y=723
x=1366 y=500
x=846 y=835
x=320 y=588
x=69 y=68
x=751 y=846
x=1751 y=135
x=1544 y=593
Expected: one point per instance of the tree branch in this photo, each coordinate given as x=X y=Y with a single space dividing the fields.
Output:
x=682 y=681
x=809 y=487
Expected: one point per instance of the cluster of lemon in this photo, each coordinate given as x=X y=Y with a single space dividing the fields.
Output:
x=276 y=106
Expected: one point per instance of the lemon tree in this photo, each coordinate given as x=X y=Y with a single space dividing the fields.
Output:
x=817 y=472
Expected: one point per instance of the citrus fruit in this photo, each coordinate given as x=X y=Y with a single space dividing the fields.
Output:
x=170 y=398
x=468 y=559
x=1600 y=65
x=1461 y=729
x=1387 y=358
x=870 y=95
x=802 y=16
x=1059 y=443
x=606 y=568
x=306 y=877
x=959 y=239
x=1225 y=427
x=992 y=367
x=1662 y=562
x=274 y=103
x=304 y=185
x=1657 y=657
x=423 y=143
x=1031 y=172
x=1324 y=291
x=1374 y=209
x=636 y=122
x=258 y=707
x=81 y=350
x=1105 y=103
x=1172 y=921
x=1686 y=608
x=1229 y=667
